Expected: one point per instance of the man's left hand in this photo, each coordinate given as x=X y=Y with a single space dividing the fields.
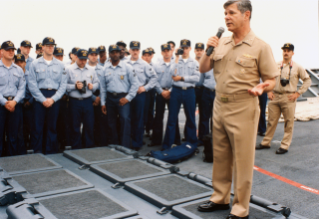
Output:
x=97 y=101
x=294 y=96
x=141 y=90
x=258 y=90
x=177 y=78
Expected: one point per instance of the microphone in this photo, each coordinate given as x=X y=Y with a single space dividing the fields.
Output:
x=219 y=34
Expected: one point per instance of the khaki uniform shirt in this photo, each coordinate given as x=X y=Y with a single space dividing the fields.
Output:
x=297 y=72
x=238 y=68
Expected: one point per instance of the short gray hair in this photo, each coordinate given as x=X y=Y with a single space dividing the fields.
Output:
x=242 y=5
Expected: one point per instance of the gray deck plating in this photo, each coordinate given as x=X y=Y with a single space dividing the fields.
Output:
x=127 y=170
x=51 y=182
x=89 y=156
x=27 y=163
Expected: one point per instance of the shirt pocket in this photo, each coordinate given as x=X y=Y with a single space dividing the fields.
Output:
x=218 y=63
x=3 y=78
x=246 y=67
x=40 y=74
x=122 y=76
x=56 y=75
x=16 y=79
x=89 y=78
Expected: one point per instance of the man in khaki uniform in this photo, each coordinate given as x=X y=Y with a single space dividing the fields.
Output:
x=239 y=62
x=283 y=99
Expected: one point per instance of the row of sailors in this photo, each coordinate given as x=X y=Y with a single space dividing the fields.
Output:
x=118 y=97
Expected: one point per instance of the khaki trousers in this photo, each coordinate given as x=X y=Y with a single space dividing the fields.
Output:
x=234 y=141
x=280 y=104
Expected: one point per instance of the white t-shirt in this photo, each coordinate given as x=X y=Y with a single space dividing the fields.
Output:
x=185 y=60
x=48 y=62
x=167 y=63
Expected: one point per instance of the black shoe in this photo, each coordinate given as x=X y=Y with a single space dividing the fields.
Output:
x=152 y=145
x=281 y=151
x=211 y=206
x=260 y=146
x=261 y=134
x=231 y=216
x=136 y=149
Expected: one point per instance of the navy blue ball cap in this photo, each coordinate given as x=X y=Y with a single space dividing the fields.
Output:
x=48 y=41
x=135 y=45
x=114 y=48
x=121 y=43
x=93 y=50
x=19 y=57
x=102 y=49
x=58 y=51
x=8 y=45
x=82 y=54
x=172 y=42
x=185 y=43
x=38 y=46
x=165 y=46
x=288 y=46
x=199 y=46
x=151 y=49
x=26 y=43
x=147 y=51
x=75 y=50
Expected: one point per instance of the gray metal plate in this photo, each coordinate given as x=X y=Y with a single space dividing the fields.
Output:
x=89 y=156
x=168 y=190
x=27 y=163
x=51 y=182
x=89 y=204
x=127 y=170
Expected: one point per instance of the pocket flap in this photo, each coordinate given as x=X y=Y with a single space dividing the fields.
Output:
x=218 y=57
x=245 y=62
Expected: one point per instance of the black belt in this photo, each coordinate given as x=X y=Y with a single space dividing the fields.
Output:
x=183 y=88
x=9 y=98
x=48 y=89
x=165 y=88
x=80 y=98
x=116 y=94
x=199 y=87
x=209 y=89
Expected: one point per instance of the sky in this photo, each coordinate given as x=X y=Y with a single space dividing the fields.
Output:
x=93 y=23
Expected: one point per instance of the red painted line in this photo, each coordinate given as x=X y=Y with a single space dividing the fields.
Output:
x=288 y=181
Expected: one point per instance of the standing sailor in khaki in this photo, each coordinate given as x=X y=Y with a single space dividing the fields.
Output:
x=283 y=99
x=239 y=62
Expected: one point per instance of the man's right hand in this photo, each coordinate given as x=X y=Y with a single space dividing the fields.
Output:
x=166 y=94
x=123 y=101
x=270 y=95
x=213 y=42
x=79 y=85
x=103 y=108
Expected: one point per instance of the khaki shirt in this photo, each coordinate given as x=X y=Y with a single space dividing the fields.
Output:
x=297 y=72
x=238 y=68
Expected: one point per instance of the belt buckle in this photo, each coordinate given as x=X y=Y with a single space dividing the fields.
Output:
x=114 y=94
x=49 y=88
x=81 y=98
x=224 y=99
x=10 y=98
x=184 y=88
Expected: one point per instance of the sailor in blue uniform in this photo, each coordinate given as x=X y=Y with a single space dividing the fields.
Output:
x=63 y=123
x=81 y=83
x=47 y=84
x=102 y=56
x=12 y=91
x=119 y=85
x=163 y=89
x=25 y=48
x=185 y=74
x=147 y=80
x=122 y=46
x=101 y=133
x=26 y=122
